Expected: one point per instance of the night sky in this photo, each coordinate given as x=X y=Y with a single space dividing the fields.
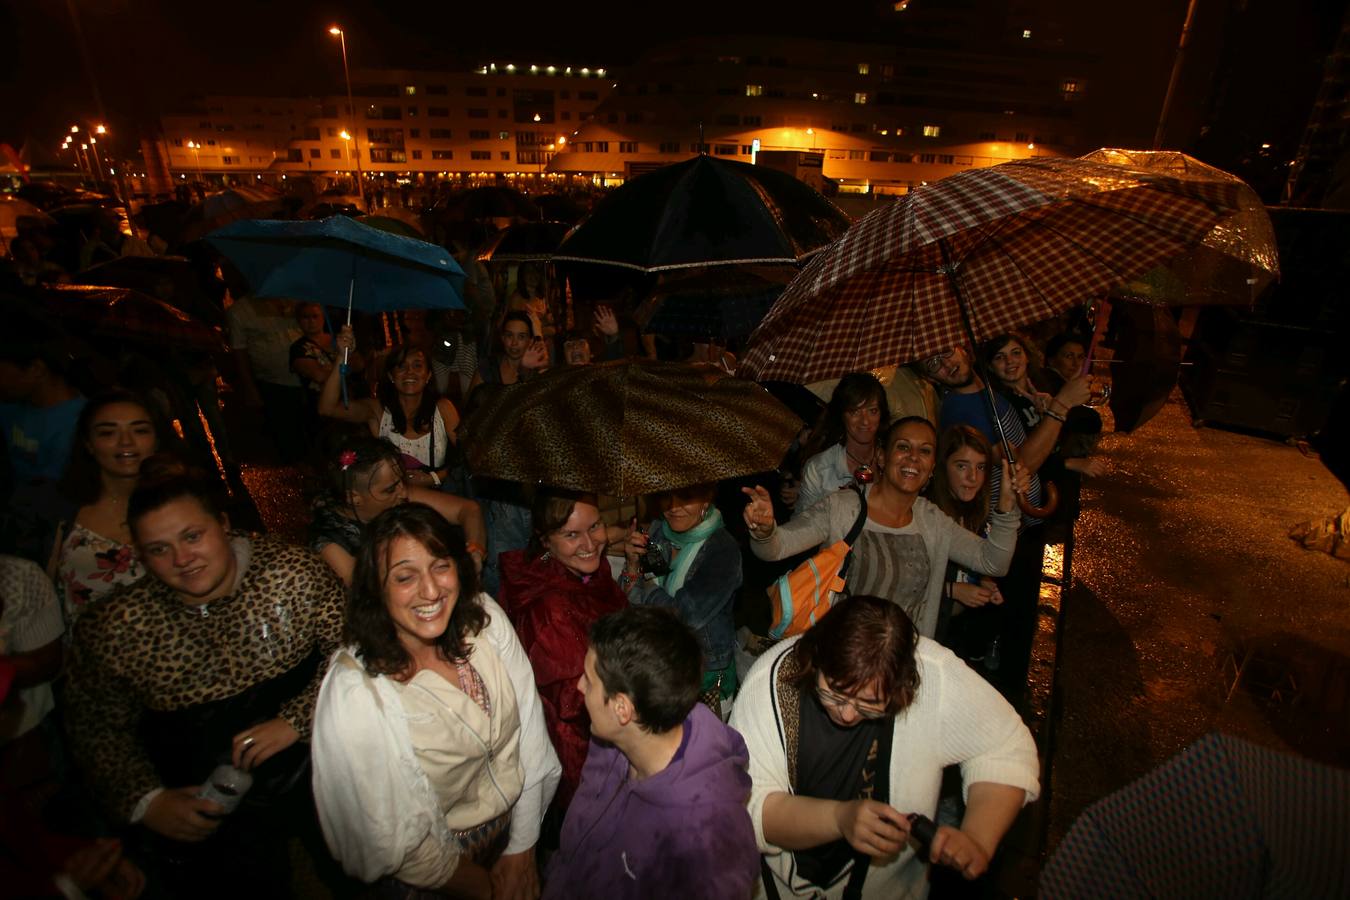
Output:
x=149 y=54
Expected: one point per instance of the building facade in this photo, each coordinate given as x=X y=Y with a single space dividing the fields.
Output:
x=869 y=118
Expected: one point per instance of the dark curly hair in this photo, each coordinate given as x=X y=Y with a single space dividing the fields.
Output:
x=861 y=640
x=368 y=625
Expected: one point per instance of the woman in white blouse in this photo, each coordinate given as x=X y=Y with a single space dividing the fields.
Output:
x=432 y=767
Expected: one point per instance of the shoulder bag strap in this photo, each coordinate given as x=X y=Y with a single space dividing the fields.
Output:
x=856 y=530
x=876 y=786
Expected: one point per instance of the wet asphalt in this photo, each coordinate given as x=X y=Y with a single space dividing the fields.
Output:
x=1192 y=610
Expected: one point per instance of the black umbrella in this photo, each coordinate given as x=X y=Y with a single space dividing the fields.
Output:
x=525 y=242
x=718 y=302
x=1147 y=357
x=705 y=211
x=488 y=203
x=173 y=279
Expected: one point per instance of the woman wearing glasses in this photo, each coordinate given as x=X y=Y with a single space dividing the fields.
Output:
x=873 y=713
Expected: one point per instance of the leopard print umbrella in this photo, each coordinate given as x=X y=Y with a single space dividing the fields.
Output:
x=628 y=428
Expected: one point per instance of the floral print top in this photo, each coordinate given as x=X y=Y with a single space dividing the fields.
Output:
x=90 y=566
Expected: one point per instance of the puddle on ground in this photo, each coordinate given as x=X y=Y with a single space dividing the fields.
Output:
x=1302 y=689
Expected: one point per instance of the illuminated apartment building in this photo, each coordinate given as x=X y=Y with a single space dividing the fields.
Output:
x=500 y=118
x=877 y=117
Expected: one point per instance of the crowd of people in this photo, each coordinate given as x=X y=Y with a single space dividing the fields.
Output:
x=466 y=687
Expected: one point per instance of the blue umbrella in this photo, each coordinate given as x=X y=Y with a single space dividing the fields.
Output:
x=337 y=262
x=340 y=262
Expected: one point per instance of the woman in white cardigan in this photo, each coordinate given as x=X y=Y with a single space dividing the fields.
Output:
x=849 y=728
x=906 y=541
x=432 y=766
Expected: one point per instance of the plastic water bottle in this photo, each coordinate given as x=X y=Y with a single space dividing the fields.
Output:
x=227 y=787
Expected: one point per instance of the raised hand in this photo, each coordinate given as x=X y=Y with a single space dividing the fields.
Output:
x=758 y=513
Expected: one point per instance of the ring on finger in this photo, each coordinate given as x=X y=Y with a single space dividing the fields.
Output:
x=249 y=740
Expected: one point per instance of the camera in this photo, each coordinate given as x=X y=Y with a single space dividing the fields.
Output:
x=656 y=561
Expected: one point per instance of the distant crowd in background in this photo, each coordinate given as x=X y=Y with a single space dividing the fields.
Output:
x=458 y=685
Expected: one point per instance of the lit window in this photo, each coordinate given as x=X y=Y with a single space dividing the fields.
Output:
x=1026 y=33
x=1069 y=87
x=503 y=135
x=410 y=90
x=932 y=130
x=901 y=5
x=754 y=90
x=862 y=68
x=860 y=97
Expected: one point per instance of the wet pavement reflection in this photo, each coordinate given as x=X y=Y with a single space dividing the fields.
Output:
x=1192 y=611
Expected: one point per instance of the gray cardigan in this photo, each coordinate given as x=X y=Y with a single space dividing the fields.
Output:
x=830 y=519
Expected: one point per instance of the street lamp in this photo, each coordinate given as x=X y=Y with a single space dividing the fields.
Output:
x=351 y=109
x=347 y=139
x=196 y=154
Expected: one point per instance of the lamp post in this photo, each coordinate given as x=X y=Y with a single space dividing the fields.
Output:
x=98 y=163
x=347 y=140
x=351 y=110
x=196 y=155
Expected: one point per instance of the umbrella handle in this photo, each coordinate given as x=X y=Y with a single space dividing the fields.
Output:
x=1051 y=494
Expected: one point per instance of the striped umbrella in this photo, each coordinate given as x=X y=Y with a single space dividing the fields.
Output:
x=976 y=254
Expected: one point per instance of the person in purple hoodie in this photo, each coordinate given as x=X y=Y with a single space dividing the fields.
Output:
x=661 y=807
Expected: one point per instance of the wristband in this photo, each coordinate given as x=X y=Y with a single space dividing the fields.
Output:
x=473 y=548
x=436 y=479
x=1054 y=415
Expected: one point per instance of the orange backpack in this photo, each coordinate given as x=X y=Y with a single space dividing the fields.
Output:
x=806 y=593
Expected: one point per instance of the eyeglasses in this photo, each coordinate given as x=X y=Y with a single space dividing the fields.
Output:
x=931 y=365
x=839 y=701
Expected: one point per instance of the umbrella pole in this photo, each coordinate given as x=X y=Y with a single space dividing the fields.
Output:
x=949 y=269
x=344 y=367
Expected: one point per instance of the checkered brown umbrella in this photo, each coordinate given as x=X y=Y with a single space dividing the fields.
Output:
x=1020 y=242
x=629 y=427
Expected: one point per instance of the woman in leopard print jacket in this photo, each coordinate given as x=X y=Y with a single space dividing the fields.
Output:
x=213 y=657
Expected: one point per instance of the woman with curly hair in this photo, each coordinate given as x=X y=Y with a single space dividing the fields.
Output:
x=432 y=768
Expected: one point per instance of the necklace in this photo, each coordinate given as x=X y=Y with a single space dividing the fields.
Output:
x=860 y=462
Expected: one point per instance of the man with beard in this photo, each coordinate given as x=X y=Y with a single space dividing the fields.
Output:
x=996 y=639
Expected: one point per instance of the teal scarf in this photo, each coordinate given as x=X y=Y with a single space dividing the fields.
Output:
x=688 y=543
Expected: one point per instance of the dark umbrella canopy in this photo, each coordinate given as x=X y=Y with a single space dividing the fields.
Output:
x=488 y=203
x=104 y=315
x=223 y=207
x=629 y=428
x=717 y=303
x=525 y=242
x=173 y=279
x=1145 y=362
x=705 y=211
x=1224 y=818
